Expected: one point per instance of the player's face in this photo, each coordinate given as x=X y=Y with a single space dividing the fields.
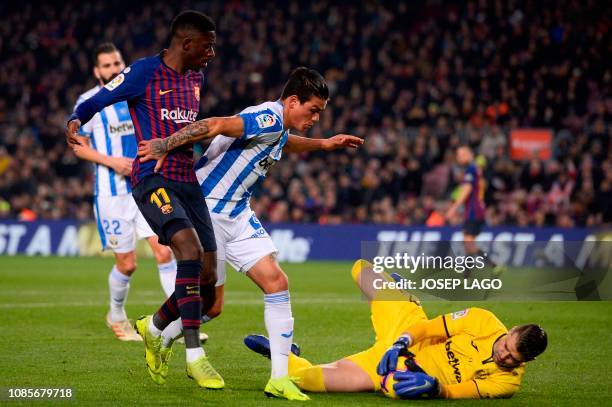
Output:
x=464 y=156
x=199 y=49
x=109 y=65
x=302 y=116
x=505 y=353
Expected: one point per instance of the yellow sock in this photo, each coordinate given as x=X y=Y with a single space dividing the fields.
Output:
x=356 y=270
x=310 y=376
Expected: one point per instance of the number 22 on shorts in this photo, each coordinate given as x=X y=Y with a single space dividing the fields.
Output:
x=161 y=199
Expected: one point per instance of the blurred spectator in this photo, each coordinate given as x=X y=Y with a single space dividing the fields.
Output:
x=416 y=79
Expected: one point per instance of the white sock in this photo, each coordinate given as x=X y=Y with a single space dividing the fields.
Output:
x=118 y=285
x=172 y=332
x=155 y=331
x=279 y=324
x=167 y=276
x=193 y=353
x=175 y=330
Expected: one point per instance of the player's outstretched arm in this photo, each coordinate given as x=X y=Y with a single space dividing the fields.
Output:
x=121 y=165
x=297 y=144
x=158 y=149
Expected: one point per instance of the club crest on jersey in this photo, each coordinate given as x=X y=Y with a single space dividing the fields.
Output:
x=196 y=92
x=112 y=85
x=113 y=241
x=459 y=314
x=166 y=209
x=265 y=120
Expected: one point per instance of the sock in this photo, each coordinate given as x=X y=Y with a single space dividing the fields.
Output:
x=153 y=329
x=193 y=353
x=311 y=377
x=171 y=333
x=119 y=285
x=167 y=313
x=187 y=292
x=279 y=324
x=167 y=276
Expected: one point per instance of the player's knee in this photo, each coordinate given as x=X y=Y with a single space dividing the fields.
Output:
x=162 y=254
x=126 y=266
x=277 y=282
x=208 y=276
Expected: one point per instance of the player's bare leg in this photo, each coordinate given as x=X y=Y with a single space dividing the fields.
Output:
x=166 y=264
x=119 y=286
x=271 y=279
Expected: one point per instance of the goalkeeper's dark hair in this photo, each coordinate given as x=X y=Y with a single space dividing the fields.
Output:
x=532 y=341
x=192 y=20
x=104 y=48
x=305 y=83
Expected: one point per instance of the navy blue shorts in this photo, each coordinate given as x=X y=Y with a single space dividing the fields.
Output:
x=473 y=227
x=170 y=206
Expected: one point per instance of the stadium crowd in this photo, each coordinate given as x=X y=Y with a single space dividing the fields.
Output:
x=414 y=80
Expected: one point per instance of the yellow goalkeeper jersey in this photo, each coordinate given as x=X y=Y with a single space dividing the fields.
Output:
x=457 y=348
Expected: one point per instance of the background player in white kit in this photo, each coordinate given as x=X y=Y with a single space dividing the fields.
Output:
x=247 y=146
x=108 y=140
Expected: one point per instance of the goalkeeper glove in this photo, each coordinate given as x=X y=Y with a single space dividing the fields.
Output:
x=413 y=385
x=388 y=363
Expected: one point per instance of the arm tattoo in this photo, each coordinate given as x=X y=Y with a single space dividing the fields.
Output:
x=159 y=147
x=188 y=134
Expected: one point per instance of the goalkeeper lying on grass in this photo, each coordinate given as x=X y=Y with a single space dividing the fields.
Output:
x=465 y=354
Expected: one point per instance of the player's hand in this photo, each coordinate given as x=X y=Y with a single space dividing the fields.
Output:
x=71 y=132
x=413 y=385
x=388 y=363
x=122 y=165
x=340 y=141
x=153 y=150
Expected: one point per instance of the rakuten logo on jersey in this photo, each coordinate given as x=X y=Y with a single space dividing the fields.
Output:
x=179 y=115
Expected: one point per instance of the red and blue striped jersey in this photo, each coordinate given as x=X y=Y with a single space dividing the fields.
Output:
x=161 y=102
x=474 y=204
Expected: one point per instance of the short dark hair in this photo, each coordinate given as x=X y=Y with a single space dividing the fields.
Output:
x=532 y=340
x=192 y=20
x=104 y=48
x=305 y=83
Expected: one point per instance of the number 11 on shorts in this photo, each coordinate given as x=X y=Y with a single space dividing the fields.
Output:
x=161 y=199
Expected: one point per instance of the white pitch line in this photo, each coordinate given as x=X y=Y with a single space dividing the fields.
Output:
x=305 y=301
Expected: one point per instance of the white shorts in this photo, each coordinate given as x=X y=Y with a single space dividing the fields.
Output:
x=241 y=241
x=118 y=218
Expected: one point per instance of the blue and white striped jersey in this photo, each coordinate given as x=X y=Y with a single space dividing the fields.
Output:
x=111 y=133
x=231 y=167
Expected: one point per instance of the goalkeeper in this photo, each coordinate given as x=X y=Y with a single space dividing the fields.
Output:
x=465 y=354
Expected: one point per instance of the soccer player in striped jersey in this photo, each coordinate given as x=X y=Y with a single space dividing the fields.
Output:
x=245 y=148
x=109 y=142
x=163 y=95
x=471 y=196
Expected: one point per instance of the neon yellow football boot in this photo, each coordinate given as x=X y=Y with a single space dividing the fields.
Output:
x=165 y=354
x=284 y=388
x=152 y=348
x=204 y=374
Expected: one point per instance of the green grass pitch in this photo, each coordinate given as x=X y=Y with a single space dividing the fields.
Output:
x=52 y=334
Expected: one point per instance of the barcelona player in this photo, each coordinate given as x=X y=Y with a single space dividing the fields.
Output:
x=108 y=140
x=471 y=196
x=464 y=354
x=163 y=95
x=244 y=148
